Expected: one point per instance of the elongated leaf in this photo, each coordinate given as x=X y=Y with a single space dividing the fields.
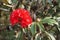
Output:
x=20 y=36
x=38 y=37
x=49 y=35
x=33 y=28
x=49 y=21
x=14 y=1
x=41 y=27
x=59 y=1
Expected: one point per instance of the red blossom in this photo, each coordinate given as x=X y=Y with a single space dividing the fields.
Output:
x=21 y=16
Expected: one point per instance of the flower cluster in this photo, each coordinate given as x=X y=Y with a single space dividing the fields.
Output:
x=20 y=16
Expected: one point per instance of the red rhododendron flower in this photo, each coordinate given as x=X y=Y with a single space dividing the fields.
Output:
x=21 y=16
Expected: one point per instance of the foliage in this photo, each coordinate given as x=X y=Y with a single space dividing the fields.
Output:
x=45 y=15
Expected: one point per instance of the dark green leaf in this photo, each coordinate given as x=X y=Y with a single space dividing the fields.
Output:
x=14 y=1
x=20 y=37
x=33 y=28
x=41 y=27
x=49 y=35
x=49 y=21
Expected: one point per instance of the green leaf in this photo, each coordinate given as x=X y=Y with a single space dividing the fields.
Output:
x=49 y=35
x=20 y=35
x=14 y=1
x=49 y=21
x=41 y=27
x=59 y=1
x=38 y=37
x=33 y=29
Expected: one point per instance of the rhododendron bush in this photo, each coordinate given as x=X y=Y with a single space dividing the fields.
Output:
x=29 y=19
